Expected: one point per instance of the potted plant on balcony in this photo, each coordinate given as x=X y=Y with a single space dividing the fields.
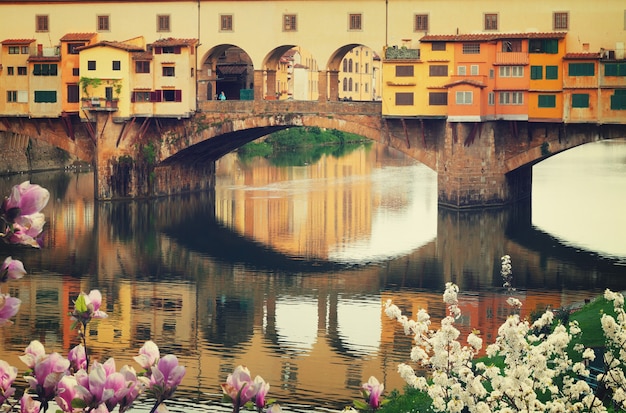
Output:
x=87 y=84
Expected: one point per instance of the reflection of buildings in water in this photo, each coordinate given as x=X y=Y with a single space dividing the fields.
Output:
x=330 y=210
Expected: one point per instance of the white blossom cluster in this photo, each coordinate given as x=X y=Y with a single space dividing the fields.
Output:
x=537 y=373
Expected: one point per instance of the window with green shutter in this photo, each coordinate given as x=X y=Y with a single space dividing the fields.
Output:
x=580 y=100
x=552 y=72
x=618 y=100
x=536 y=72
x=615 y=69
x=547 y=101
x=581 y=69
x=45 y=96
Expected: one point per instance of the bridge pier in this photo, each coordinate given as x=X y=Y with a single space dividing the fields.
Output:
x=472 y=170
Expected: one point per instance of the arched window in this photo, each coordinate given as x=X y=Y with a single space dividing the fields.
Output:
x=345 y=84
x=350 y=66
x=345 y=65
x=350 y=85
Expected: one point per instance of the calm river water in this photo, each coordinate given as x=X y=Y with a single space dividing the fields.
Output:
x=285 y=269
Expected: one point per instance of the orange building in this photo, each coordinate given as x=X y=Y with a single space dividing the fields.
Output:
x=545 y=96
x=580 y=87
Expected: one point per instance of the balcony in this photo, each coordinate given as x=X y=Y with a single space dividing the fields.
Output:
x=99 y=104
x=401 y=53
x=511 y=58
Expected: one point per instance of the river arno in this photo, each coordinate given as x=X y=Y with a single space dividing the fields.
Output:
x=285 y=269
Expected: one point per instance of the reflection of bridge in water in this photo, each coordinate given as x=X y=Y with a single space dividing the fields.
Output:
x=233 y=310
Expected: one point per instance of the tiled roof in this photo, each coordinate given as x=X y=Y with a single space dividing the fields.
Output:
x=116 y=45
x=75 y=37
x=18 y=41
x=485 y=37
x=466 y=82
x=142 y=55
x=170 y=41
x=583 y=56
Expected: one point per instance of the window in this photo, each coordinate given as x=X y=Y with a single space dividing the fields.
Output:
x=354 y=22
x=491 y=21
x=618 y=100
x=14 y=50
x=171 y=95
x=73 y=93
x=24 y=50
x=438 y=70
x=22 y=71
x=404 y=99
x=168 y=71
x=141 y=96
x=11 y=95
x=471 y=48
x=474 y=70
x=10 y=71
x=560 y=21
x=421 y=23
x=75 y=71
x=45 y=96
x=491 y=98
x=42 y=23
x=464 y=98
x=72 y=47
x=536 y=72
x=580 y=100
x=438 y=98
x=226 y=22
x=142 y=66
x=345 y=84
x=461 y=70
x=117 y=65
x=511 y=98
x=404 y=71
x=547 y=101
x=511 y=71
x=510 y=46
x=550 y=46
x=615 y=69
x=367 y=68
x=45 y=69
x=167 y=50
x=289 y=22
x=552 y=72
x=163 y=23
x=438 y=46
x=581 y=69
x=102 y=23
x=91 y=65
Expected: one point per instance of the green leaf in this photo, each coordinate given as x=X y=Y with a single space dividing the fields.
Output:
x=360 y=405
x=80 y=304
x=78 y=403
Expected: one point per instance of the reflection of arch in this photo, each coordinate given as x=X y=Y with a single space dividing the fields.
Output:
x=296 y=323
x=351 y=313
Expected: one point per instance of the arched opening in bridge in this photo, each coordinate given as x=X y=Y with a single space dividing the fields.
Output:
x=226 y=68
x=354 y=74
x=291 y=73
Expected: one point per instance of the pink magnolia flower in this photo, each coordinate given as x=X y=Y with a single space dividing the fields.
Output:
x=11 y=269
x=148 y=355
x=29 y=405
x=77 y=357
x=262 y=388
x=9 y=306
x=47 y=372
x=372 y=390
x=66 y=392
x=22 y=220
x=165 y=377
x=29 y=198
x=239 y=387
x=33 y=353
x=8 y=374
x=275 y=408
x=92 y=386
x=134 y=385
x=87 y=306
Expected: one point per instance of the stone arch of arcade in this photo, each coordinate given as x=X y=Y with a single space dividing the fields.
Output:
x=231 y=68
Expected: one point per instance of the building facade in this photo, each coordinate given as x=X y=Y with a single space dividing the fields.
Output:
x=440 y=59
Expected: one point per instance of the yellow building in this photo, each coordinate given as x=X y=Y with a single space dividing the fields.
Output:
x=14 y=79
x=359 y=78
x=70 y=69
